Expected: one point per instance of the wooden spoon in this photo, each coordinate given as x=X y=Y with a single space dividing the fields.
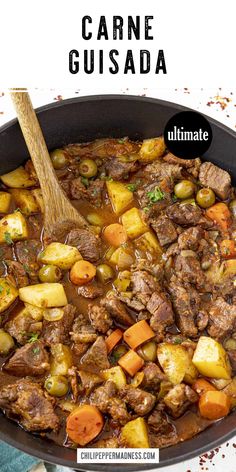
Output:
x=60 y=216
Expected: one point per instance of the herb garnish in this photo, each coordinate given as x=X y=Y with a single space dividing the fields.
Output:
x=36 y=350
x=7 y=238
x=1 y=289
x=85 y=181
x=155 y=195
x=132 y=187
x=33 y=337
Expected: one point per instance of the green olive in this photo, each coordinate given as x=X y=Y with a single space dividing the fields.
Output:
x=88 y=168
x=57 y=385
x=95 y=219
x=104 y=273
x=205 y=197
x=232 y=207
x=6 y=342
x=149 y=351
x=184 y=189
x=59 y=159
x=50 y=274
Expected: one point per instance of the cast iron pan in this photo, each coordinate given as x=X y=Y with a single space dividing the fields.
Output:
x=84 y=119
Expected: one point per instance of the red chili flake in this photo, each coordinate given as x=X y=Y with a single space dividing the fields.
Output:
x=227 y=444
x=58 y=97
x=2 y=94
x=223 y=456
x=234 y=445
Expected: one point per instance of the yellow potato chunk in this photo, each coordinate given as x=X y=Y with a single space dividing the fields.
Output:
x=133 y=223
x=25 y=200
x=174 y=360
x=116 y=374
x=122 y=258
x=60 y=255
x=37 y=193
x=5 y=201
x=211 y=359
x=134 y=434
x=34 y=311
x=13 y=227
x=18 y=178
x=8 y=294
x=149 y=242
x=229 y=268
x=151 y=149
x=44 y=295
x=191 y=374
x=119 y=195
x=61 y=359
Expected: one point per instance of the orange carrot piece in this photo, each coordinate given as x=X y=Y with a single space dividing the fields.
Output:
x=213 y=405
x=131 y=362
x=228 y=248
x=113 y=339
x=201 y=386
x=84 y=424
x=138 y=334
x=220 y=214
x=115 y=235
x=82 y=272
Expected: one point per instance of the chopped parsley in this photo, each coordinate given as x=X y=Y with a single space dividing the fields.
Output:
x=36 y=350
x=106 y=178
x=155 y=195
x=7 y=238
x=121 y=141
x=177 y=341
x=8 y=291
x=174 y=198
x=1 y=289
x=132 y=187
x=16 y=210
x=33 y=337
x=85 y=181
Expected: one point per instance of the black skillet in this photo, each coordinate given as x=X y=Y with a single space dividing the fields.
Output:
x=84 y=119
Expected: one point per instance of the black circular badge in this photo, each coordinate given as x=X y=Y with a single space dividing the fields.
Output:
x=188 y=134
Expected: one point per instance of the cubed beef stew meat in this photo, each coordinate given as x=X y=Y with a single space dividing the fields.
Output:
x=130 y=323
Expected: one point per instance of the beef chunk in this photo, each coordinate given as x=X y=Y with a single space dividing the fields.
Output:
x=165 y=230
x=82 y=331
x=217 y=179
x=132 y=303
x=58 y=331
x=143 y=282
x=189 y=270
x=152 y=376
x=25 y=402
x=92 y=194
x=89 y=381
x=222 y=319
x=162 y=313
x=178 y=399
x=73 y=378
x=159 y=170
x=22 y=326
x=17 y=272
x=103 y=148
x=185 y=215
x=118 y=170
x=104 y=398
x=6 y=252
x=88 y=244
x=117 y=310
x=191 y=238
x=140 y=401
x=186 y=304
x=107 y=443
x=159 y=425
x=26 y=253
x=191 y=165
x=77 y=189
x=95 y=359
x=91 y=291
x=232 y=357
x=100 y=318
x=31 y=359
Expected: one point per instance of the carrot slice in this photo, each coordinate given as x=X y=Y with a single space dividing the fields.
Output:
x=228 y=248
x=213 y=405
x=82 y=272
x=220 y=214
x=115 y=235
x=84 y=424
x=201 y=386
x=131 y=362
x=138 y=334
x=113 y=339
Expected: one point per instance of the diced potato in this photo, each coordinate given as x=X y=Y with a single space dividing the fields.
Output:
x=119 y=195
x=37 y=193
x=34 y=311
x=174 y=360
x=149 y=242
x=61 y=359
x=229 y=267
x=116 y=374
x=8 y=294
x=211 y=359
x=152 y=149
x=121 y=284
x=5 y=201
x=25 y=200
x=191 y=374
x=44 y=295
x=122 y=258
x=133 y=223
x=60 y=255
x=13 y=227
x=135 y=434
x=18 y=178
